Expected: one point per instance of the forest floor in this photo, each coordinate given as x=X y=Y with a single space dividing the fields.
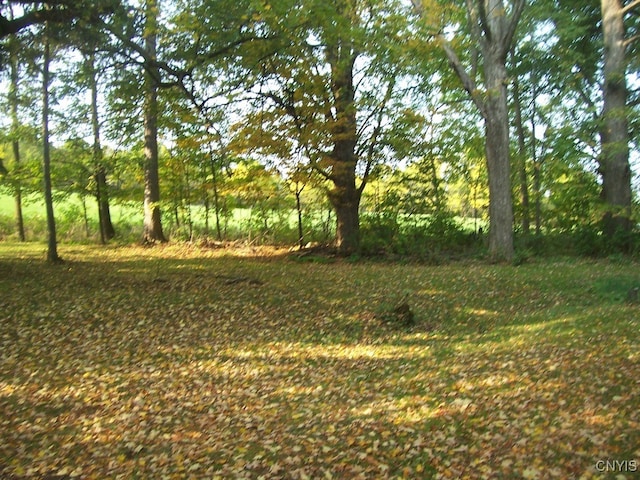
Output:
x=179 y=362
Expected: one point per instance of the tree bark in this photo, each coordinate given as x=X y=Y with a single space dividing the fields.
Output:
x=498 y=158
x=52 y=243
x=152 y=232
x=614 y=159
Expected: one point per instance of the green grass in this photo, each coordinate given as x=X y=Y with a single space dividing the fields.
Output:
x=127 y=219
x=178 y=362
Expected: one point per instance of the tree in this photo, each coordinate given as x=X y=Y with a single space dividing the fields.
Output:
x=492 y=25
x=52 y=242
x=52 y=12
x=152 y=218
x=326 y=88
x=15 y=125
x=107 y=231
x=614 y=134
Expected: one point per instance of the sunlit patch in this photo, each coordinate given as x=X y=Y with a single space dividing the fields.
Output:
x=281 y=379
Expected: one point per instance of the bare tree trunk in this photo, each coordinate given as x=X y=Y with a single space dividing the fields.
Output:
x=614 y=160
x=52 y=243
x=152 y=216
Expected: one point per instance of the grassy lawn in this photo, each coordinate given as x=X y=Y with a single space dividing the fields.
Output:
x=175 y=362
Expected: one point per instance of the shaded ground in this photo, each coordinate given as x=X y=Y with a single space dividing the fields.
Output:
x=184 y=363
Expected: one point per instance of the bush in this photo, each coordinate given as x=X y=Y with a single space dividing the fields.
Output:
x=439 y=235
x=379 y=234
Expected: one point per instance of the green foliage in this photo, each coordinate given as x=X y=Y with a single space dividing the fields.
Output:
x=430 y=238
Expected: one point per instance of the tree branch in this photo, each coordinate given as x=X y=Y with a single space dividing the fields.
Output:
x=468 y=83
x=478 y=23
x=62 y=11
x=518 y=8
x=627 y=8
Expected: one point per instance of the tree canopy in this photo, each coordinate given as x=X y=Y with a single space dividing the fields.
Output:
x=358 y=100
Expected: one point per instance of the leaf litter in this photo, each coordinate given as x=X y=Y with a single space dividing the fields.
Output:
x=107 y=372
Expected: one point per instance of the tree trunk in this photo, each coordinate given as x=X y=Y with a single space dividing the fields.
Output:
x=52 y=243
x=152 y=216
x=107 y=232
x=345 y=199
x=493 y=30
x=15 y=143
x=299 y=212
x=498 y=158
x=537 y=163
x=614 y=160
x=216 y=195
x=522 y=160
x=345 y=196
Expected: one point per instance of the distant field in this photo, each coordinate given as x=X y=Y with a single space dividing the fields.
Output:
x=69 y=214
x=33 y=206
x=127 y=218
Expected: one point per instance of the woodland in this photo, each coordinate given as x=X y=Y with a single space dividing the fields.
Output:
x=494 y=128
x=311 y=239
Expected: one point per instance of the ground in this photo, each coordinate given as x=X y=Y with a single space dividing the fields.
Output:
x=185 y=362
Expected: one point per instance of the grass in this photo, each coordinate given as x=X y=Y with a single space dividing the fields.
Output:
x=127 y=219
x=178 y=362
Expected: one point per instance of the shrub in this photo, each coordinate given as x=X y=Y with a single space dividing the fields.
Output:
x=378 y=234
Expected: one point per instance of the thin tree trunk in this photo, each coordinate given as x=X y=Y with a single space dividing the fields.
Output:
x=52 y=243
x=216 y=196
x=187 y=196
x=107 y=232
x=301 y=242
x=537 y=164
x=15 y=143
x=522 y=159
x=152 y=216
x=614 y=161
x=85 y=216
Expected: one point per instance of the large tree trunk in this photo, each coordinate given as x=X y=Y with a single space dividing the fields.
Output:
x=152 y=218
x=614 y=159
x=345 y=199
x=498 y=159
x=345 y=196
x=52 y=243
x=492 y=28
